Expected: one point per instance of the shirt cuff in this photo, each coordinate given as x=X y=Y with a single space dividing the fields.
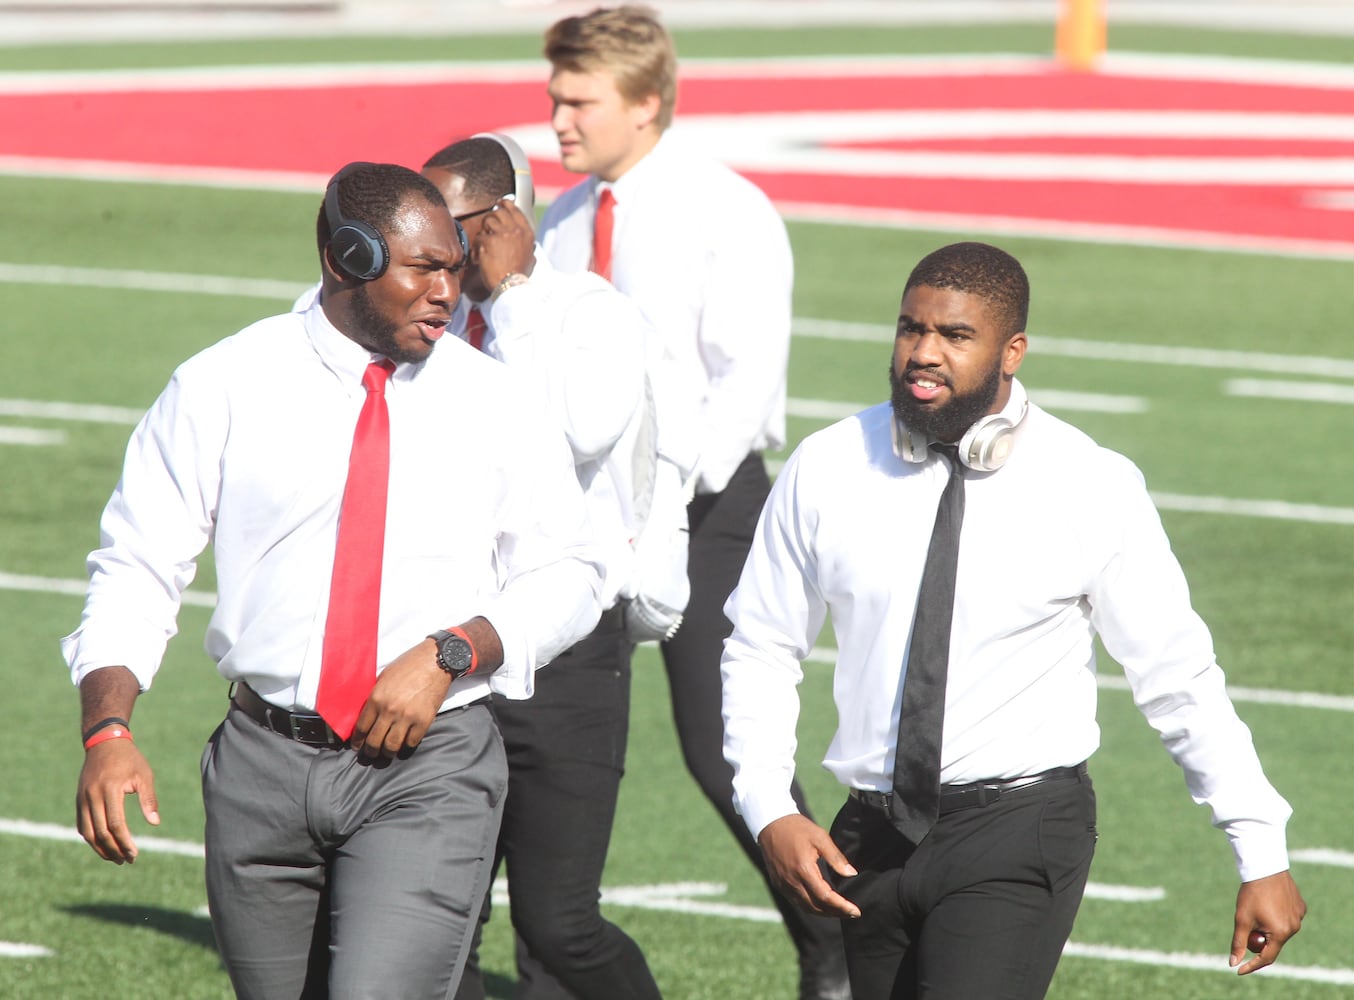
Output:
x=1261 y=849
x=85 y=655
x=760 y=810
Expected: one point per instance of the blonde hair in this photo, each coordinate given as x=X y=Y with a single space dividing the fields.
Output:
x=628 y=42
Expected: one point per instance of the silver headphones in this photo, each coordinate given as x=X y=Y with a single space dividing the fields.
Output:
x=524 y=194
x=984 y=447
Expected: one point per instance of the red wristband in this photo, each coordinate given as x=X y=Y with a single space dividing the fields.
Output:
x=111 y=733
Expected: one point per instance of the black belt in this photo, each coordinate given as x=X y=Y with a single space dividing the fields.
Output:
x=311 y=730
x=977 y=793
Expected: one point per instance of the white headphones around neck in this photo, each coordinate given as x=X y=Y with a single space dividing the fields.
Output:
x=984 y=447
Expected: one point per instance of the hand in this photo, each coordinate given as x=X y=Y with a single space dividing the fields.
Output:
x=792 y=847
x=1273 y=906
x=113 y=770
x=506 y=244
x=403 y=704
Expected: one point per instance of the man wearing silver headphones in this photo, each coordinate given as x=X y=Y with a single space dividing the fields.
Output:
x=970 y=547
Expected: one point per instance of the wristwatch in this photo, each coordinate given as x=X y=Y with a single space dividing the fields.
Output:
x=510 y=280
x=455 y=654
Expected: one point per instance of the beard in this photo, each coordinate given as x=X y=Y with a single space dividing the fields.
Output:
x=378 y=331
x=949 y=421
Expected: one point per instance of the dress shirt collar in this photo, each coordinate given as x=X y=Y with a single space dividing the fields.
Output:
x=342 y=355
x=651 y=163
x=914 y=448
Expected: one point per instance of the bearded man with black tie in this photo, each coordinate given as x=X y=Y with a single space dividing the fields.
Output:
x=970 y=547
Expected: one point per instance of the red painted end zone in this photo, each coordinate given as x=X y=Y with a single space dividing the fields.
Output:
x=1290 y=178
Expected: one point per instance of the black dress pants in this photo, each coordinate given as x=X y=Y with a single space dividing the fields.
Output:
x=566 y=754
x=982 y=908
x=722 y=528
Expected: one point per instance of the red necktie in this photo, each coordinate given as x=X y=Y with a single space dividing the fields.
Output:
x=474 y=329
x=601 y=234
x=348 y=666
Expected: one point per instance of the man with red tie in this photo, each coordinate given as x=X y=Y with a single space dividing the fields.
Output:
x=384 y=560
x=705 y=256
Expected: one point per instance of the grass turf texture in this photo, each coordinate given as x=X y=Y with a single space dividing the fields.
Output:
x=1276 y=593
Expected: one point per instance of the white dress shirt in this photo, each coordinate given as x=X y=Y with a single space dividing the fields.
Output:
x=581 y=345
x=248 y=448
x=1059 y=545
x=706 y=257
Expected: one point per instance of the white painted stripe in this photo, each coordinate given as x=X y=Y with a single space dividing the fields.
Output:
x=822 y=409
x=31 y=436
x=87 y=412
x=1173 y=354
x=53 y=831
x=152 y=281
x=1301 y=392
x=1279 y=510
x=1063 y=230
x=12 y=949
x=1117 y=682
x=77 y=588
x=1162 y=66
x=1204 y=963
x=1124 y=893
x=1089 y=402
x=676 y=898
x=1049 y=399
x=230 y=178
x=1323 y=856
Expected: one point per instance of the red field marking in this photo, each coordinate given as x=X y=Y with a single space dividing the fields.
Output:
x=311 y=131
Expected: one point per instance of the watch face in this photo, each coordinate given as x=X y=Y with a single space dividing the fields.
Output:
x=455 y=655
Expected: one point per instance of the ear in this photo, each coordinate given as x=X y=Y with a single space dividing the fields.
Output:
x=330 y=267
x=644 y=112
x=1013 y=353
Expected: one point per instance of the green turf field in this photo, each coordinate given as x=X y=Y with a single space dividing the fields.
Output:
x=1278 y=591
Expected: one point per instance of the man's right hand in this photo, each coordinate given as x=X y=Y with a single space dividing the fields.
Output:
x=792 y=846
x=113 y=770
x=506 y=244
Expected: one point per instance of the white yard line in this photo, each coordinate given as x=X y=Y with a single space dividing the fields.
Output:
x=1297 y=392
x=31 y=436
x=1323 y=856
x=13 y=949
x=76 y=588
x=1173 y=355
x=1205 y=963
x=693 y=898
x=151 y=281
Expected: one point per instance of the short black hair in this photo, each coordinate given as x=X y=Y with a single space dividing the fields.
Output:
x=483 y=162
x=983 y=270
x=372 y=193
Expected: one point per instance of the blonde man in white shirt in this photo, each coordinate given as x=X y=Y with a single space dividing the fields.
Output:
x=706 y=257
x=350 y=832
x=582 y=347
x=1058 y=543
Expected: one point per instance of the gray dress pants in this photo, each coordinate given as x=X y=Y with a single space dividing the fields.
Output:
x=330 y=876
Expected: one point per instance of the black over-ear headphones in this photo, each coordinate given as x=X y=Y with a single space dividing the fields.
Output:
x=359 y=248
x=524 y=194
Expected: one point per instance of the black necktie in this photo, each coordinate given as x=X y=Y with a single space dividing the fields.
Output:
x=916 y=769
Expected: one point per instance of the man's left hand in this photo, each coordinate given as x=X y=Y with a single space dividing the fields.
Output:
x=403 y=704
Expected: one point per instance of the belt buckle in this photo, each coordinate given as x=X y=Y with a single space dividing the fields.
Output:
x=312 y=730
